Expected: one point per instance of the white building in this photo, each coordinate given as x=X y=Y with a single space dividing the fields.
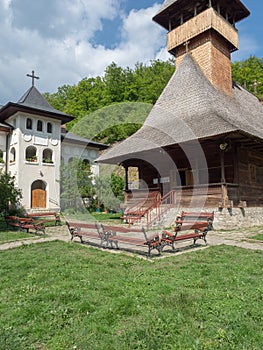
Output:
x=32 y=146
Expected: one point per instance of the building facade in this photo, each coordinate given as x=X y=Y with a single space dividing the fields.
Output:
x=33 y=145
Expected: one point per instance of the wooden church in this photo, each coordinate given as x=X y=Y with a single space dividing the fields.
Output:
x=203 y=139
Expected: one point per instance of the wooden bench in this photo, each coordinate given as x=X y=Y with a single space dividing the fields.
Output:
x=12 y=221
x=115 y=237
x=198 y=223
x=25 y=224
x=111 y=235
x=47 y=217
x=87 y=230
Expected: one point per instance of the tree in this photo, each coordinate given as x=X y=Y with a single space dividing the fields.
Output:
x=141 y=84
x=109 y=191
x=76 y=184
x=249 y=74
x=10 y=196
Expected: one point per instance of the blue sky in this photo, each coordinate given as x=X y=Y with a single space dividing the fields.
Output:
x=67 y=40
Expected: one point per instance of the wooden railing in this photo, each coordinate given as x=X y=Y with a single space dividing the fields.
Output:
x=167 y=202
x=143 y=208
x=199 y=24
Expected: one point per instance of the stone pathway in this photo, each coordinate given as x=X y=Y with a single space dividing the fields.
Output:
x=236 y=238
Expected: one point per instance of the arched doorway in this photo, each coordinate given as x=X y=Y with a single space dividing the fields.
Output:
x=38 y=194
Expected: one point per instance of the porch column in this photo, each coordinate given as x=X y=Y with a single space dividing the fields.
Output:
x=222 y=163
x=225 y=201
x=126 y=179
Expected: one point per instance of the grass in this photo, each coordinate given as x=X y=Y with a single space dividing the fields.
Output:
x=60 y=296
x=94 y=216
x=11 y=235
x=259 y=237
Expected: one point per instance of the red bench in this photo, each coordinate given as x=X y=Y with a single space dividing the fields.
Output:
x=152 y=242
x=25 y=224
x=198 y=223
x=112 y=235
x=81 y=230
x=47 y=217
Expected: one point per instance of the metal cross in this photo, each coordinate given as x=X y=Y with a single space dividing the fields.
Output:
x=33 y=76
x=186 y=44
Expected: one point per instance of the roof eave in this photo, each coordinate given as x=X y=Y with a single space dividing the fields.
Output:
x=162 y=15
x=89 y=143
x=11 y=108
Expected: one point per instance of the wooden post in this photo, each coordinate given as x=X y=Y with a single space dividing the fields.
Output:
x=223 y=180
x=126 y=179
x=222 y=163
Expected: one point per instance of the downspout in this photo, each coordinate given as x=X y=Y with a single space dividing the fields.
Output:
x=6 y=152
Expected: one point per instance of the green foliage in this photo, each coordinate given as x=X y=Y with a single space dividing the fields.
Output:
x=57 y=296
x=117 y=186
x=112 y=123
x=109 y=191
x=76 y=183
x=10 y=196
x=249 y=74
x=259 y=237
x=142 y=84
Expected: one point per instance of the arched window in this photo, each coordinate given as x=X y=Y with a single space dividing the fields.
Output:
x=12 y=155
x=39 y=125
x=31 y=154
x=47 y=156
x=49 y=128
x=29 y=123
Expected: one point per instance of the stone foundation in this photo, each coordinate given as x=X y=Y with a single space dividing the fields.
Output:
x=233 y=218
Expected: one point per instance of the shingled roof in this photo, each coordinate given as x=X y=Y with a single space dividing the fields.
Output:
x=191 y=108
x=34 y=102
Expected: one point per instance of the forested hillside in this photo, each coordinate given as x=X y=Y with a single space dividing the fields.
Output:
x=130 y=93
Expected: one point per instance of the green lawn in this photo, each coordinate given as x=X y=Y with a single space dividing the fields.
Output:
x=10 y=236
x=7 y=235
x=94 y=216
x=67 y=296
x=259 y=237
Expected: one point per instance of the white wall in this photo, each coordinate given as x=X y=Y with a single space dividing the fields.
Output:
x=28 y=172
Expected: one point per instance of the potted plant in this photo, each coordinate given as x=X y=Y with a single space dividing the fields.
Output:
x=32 y=159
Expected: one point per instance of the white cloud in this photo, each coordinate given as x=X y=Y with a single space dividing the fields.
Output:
x=54 y=37
x=62 y=18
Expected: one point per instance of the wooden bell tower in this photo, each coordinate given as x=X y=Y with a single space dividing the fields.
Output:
x=206 y=29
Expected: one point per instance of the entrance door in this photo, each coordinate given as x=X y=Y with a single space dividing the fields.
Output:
x=38 y=194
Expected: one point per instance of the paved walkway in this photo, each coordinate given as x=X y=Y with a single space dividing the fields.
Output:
x=234 y=238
